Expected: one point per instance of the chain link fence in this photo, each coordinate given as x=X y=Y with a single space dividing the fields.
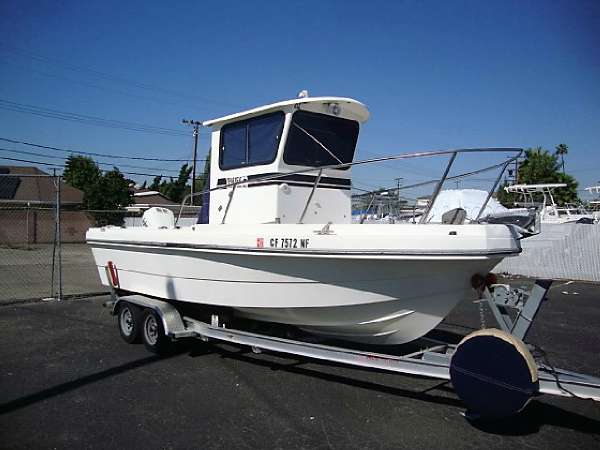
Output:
x=43 y=253
x=28 y=252
x=38 y=263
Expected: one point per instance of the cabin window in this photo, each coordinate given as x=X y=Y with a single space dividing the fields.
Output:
x=250 y=142
x=338 y=135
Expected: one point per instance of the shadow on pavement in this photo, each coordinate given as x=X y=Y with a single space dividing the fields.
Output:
x=536 y=415
x=72 y=385
x=530 y=421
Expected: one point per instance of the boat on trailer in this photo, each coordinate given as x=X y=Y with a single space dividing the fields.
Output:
x=280 y=246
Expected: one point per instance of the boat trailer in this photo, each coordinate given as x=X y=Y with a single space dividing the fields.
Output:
x=492 y=370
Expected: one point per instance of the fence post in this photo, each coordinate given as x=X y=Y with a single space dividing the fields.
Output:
x=60 y=280
x=57 y=238
x=27 y=211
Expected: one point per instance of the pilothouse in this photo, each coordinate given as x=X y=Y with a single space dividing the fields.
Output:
x=277 y=139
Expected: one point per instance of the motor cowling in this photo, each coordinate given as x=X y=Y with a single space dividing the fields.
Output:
x=158 y=218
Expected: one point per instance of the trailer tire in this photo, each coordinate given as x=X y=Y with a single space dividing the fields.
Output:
x=493 y=373
x=129 y=321
x=153 y=334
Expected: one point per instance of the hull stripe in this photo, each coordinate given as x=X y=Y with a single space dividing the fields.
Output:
x=294 y=252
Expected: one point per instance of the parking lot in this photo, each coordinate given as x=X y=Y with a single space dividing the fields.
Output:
x=68 y=381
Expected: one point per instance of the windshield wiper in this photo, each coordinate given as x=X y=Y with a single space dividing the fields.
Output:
x=318 y=142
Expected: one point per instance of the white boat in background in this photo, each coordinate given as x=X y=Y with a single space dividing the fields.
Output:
x=594 y=204
x=279 y=245
x=470 y=200
x=594 y=190
x=550 y=212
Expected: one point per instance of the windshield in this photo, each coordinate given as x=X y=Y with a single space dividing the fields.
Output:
x=320 y=140
x=250 y=142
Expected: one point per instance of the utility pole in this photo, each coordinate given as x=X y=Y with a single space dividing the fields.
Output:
x=398 y=181
x=196 y=124
x=512 y=173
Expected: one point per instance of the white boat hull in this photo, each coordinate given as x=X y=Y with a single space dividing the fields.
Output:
x=399 y=301
x=355 y=295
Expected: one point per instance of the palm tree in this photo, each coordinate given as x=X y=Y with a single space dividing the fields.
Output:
x=562 y=150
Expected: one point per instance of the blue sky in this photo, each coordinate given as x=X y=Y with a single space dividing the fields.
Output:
x=434 y=74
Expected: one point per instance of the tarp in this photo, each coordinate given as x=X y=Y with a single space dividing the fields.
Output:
x=468 y=199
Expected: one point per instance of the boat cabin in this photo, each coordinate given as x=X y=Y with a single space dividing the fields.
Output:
x=282 y=138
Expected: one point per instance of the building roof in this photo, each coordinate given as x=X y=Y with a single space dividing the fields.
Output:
x=354 y=108
x=150 y=197
x=36 y=186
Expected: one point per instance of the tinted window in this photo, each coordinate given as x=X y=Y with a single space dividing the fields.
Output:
x=338 y=135
x=250 y=142
x=233 y=145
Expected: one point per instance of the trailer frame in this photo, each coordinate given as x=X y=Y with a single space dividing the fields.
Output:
x=431 y=361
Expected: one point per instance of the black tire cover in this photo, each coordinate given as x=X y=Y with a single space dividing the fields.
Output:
x=493 y=373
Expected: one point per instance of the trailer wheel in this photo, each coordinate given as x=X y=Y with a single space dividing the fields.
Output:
x=493 y=373
x=153 y=334
x=129 y=321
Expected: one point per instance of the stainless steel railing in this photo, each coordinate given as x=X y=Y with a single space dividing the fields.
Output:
x=426 y=154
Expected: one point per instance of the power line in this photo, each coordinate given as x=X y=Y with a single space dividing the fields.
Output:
x=98 y=86
x=109 y=77
x=100 y=163
x=102 y=155
x=59 y=166
x=88 y=120
x=111 y=123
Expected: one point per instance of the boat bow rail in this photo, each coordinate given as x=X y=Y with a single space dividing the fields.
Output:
x=318 y=174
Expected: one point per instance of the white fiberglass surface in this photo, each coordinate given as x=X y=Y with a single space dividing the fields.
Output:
x=352 y=237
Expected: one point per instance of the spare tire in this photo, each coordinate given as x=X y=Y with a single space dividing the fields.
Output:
x=493 y=373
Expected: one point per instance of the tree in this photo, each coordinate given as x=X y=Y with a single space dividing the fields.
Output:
x=177 y=189
x=506 y=199
x=541 y=167
x=82 y=173
x=110 y=196
x=173 y=189
x=155 y=185
x=103 y=194
x=562 y=150
x=201 y=182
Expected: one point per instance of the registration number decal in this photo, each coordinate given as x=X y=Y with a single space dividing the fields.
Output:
x=288 y=242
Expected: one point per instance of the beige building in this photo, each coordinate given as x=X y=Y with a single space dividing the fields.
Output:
x=27 y=208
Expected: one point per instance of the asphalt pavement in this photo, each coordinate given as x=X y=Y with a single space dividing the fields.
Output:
x=67 y=380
